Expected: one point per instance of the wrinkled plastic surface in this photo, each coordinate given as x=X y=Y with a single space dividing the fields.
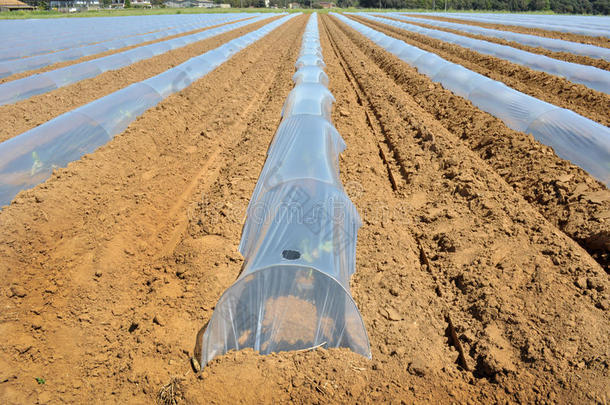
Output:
x=299 y=238
x=592 y=77
x=582 y=141
x=29 y=158
x=595 y=26
x=21 y=89
x=552 y=44
x=35 y=43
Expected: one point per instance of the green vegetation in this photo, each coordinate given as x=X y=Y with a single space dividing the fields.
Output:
x=40 y=380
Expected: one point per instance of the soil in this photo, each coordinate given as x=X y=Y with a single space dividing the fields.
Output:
x=113 y=265
x=566 y=56
x=562 y=192
x=27 y=114
x=544 y=86
x=597 y=41
x=102 y=54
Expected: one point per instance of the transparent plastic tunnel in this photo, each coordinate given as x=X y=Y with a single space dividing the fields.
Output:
x=27 y=38
x=29 y=158
x=580 y=140
x=582 y=25
x=592 y=77
x=11 y=67
x=552 y=44
x=29 y=86
x=299 y=237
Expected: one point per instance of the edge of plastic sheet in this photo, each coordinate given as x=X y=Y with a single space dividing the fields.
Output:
x=293 y=291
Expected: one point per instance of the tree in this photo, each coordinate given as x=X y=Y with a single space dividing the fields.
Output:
x=127 y=4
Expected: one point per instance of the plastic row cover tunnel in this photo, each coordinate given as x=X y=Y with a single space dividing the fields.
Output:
x=590 y=26
x=299 y=238
x=573 y=137
x=11 y=67
x=592 y=77
x=29 y=158
x=21 y=89
x=552 y=44
x=44 y=36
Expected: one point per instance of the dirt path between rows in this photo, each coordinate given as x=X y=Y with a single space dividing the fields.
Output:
x=467 y=224
x=598 y=41
x=565 y=56
x=565 y=194
x=27 y=114
x=453 y=314
x=93 y=301
x=552 y=89
x=114 y=264
x=102 y=54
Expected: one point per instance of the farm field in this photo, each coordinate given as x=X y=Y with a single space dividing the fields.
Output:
x=482 y=263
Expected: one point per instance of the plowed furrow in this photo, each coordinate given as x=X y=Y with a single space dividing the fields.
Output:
x=468 y=221
x=552 y=89
x=562 y=192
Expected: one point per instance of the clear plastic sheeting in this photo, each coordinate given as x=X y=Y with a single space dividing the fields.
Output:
x=573 y=137
x=551 y=44
x=592 y=77
x=11 y=67
x=22 y=89
x=595 y=26
x=299 y=238
x=29 y=158
x=26 y=38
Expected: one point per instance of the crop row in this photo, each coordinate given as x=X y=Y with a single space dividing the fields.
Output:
x=299 y=238
x=29 y=158
x=573 y=137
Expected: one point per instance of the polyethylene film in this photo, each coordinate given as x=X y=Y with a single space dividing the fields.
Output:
x=29 y=158
x=304 y=147
x=37 y=84
x=586 y=25
x=56 y=53
x=309 y=98
x=570 y=135
x=573 y=137
x=299 y=237
x=303 y=222
x=592 y=77
x=284 y=308
x=552 y=44
x=310 y=74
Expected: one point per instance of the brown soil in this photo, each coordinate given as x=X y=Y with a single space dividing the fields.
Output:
x=30 y=113
x=562 y=192
x=552 y=89
x=597 y=41
x=566 y=56
x=112 y=266
x=100 y=55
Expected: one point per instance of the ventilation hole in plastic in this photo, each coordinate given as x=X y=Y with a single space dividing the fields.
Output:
x=291 y=254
